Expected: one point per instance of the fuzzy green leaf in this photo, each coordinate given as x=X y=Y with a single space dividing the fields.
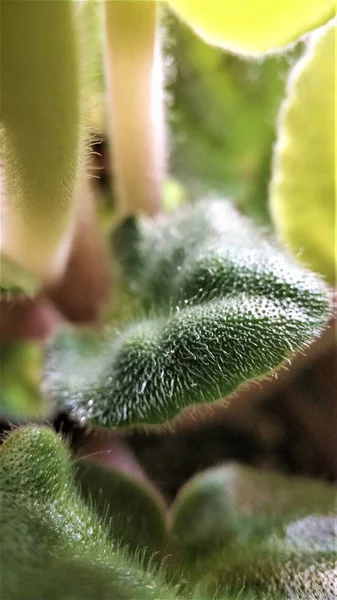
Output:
x=132 y=511
x=249 y=529
x=303 y=188
x=52 y=546
x=220 y=306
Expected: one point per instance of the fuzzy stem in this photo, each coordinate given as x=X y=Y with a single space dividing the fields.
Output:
x=41 y=134
x=135 y=104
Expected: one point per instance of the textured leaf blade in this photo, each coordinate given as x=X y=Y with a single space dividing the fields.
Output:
x=52 y=546
x=220 y=306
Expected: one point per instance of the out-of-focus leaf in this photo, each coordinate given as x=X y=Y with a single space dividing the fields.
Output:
x=21 y=368
x=133 y=513
x=254 y=530
x=222 y=114
x=14 y=280
x=253 y=27
x=219 y=306
x=303 y=190
x=41 y=133
x=236 y=505
x=52 y=546
x=90 y=24
x=174 y=195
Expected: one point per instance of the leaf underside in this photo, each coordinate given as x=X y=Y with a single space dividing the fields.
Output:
x=217 y=306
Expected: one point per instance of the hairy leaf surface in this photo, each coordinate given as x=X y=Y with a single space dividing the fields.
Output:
x=52 y=546
x=247 y=529
x=217 y=306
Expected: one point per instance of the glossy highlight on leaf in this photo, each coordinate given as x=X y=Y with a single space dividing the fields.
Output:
x=253 y=27
x=303 y=187
x=218 y=306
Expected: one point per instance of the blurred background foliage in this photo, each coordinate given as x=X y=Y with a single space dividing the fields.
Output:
x=222 y=113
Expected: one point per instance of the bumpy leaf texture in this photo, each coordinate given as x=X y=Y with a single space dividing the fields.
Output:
x=52 y=546
x=218 y=306
x=246 y=529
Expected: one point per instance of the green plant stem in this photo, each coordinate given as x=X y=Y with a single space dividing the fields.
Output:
x=135 y=104
x=41 y=139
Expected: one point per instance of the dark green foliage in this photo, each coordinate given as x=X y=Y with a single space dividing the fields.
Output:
x=133 y=513
x=52 y=546
x=56 y=546
x=239 y=505
x=245 y=528
x=220 y=306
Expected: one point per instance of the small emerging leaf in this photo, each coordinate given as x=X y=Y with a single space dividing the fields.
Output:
x=253 y=27
x=303 y=190
x=220 y=306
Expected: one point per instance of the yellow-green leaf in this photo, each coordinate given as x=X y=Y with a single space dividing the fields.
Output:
x=253 y=27
x=303 y=184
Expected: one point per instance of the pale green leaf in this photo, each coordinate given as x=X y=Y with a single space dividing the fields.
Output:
x=303 y=188
x=253 y=27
